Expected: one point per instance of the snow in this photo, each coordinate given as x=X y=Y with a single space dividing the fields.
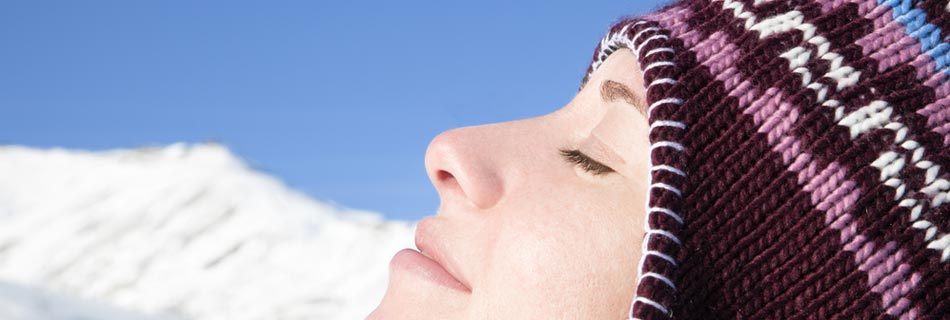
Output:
x=180 y=232
x=18 y=302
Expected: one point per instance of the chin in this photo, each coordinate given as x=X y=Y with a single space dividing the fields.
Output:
x=375 y=315
x=395 y=311
x=411 y=299
x=404 y=311
x=418 y=304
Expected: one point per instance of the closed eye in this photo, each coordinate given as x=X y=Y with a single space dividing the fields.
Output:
x=585 y=162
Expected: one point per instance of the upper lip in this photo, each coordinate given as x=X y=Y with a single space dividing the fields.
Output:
x=434 y=248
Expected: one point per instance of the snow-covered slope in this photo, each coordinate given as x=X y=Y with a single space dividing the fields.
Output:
x=20 y=303
x=186 y=231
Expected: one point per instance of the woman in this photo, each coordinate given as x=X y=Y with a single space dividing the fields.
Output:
x=791 y=156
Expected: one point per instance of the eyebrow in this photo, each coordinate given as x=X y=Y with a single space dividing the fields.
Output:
x=612 y=91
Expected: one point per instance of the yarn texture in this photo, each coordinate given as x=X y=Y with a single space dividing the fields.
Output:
x=799 y=158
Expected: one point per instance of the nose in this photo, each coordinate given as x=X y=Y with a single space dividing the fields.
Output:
x=464 y=167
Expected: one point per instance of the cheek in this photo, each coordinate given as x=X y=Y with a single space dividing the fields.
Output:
x=571 y=248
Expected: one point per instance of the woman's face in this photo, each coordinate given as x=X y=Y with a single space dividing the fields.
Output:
x=526 y=228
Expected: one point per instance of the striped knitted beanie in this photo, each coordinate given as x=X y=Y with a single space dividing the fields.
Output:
x=799 y=158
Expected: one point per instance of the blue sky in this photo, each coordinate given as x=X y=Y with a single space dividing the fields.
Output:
x=338 y=99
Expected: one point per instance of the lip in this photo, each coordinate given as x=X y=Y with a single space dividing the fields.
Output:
x=415 y=262
x=434 y=249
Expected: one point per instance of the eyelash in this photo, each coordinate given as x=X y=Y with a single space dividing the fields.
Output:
x=585 y=162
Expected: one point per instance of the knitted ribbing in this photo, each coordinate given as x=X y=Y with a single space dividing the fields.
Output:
x=799 y=158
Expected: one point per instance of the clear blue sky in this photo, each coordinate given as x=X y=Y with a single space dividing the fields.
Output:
x=338 y=99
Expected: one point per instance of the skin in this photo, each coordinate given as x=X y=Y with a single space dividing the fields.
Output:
x=528 y=233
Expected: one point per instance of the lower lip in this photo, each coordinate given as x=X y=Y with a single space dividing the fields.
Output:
x=414 y=262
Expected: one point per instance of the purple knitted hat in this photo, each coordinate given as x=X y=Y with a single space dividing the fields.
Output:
x=799 y=158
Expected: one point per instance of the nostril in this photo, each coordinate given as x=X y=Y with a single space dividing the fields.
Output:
x=460 y=172
x=449 y=183
x=445 y=177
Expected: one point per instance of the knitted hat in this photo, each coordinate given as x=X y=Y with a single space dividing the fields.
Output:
x=799 y=158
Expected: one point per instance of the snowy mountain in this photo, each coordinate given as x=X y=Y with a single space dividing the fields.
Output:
x=182 y=232
x=19 y=302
